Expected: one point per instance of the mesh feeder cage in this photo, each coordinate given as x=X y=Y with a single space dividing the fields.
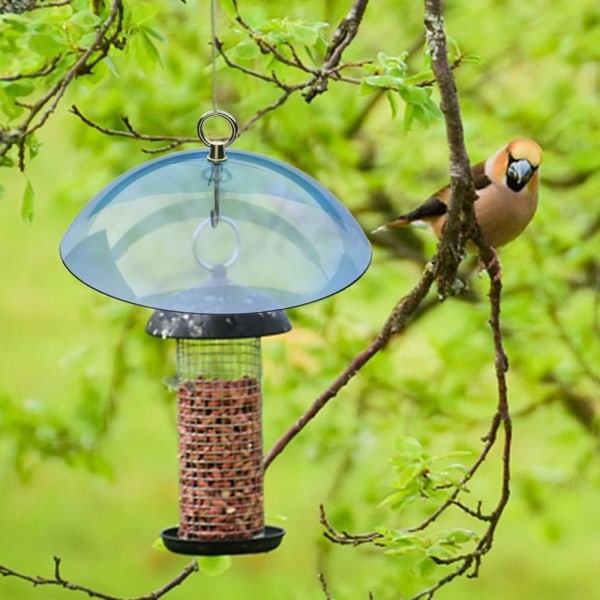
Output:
x=219 y=245
x=219 y=421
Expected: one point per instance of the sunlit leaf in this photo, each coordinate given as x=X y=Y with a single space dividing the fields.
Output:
x=247 y=50
x=214 y=566
x=159 y=545
x=85 y=19
x=27 y=203
x=391 y=98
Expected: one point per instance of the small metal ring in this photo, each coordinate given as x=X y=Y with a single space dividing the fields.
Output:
x=217 y=113
x=235 y=254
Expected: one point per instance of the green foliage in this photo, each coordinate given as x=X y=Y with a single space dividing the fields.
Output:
x=38 y=433
x=213 y=566
x=391 y=74
x=425 y=548
x=421 y=476
x=27 y=202
x=142 y=36
x=434 y=384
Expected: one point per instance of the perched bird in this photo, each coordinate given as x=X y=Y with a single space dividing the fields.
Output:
x=507 y=188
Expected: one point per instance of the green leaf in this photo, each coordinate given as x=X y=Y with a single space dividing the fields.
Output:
x=86 y=41
x=453 y=46
x=159 y=545
x=409 y=115
x=408 y=474
x=473 y=59
x=85 y=19
x=414 y=95
x=7 y=161
x=107 y=60
x=408 y=448
x=2 y=191
x=440 y=551
x=27 y=203
x=142 y=12
x=426 y=567
x=156 y=34
x=148 y=54
x=303 y=34
x=391 y=98
x=213 y=566
x=384 y=81
x=247 y=50
x=459 y=536
x=44 y=44
x=19 y=88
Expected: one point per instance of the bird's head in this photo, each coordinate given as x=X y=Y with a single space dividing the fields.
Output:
x=522 y=158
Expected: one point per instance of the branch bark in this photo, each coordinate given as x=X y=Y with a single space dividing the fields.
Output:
x=59 y=581
x=461 y=223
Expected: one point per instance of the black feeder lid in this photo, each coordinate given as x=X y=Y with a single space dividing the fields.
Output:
x=268 y=540
x=189 y=326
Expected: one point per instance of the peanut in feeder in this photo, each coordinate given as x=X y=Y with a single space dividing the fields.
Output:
x=219 y=245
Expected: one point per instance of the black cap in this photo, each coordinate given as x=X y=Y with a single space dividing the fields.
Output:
x=170 y=324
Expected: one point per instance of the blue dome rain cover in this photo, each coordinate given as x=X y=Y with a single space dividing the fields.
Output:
x=280 y=239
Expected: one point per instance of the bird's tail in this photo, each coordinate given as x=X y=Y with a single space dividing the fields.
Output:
x=399 y=222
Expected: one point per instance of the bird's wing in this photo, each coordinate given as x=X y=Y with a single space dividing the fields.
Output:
x=437 y=205
x=480 y=179
x=434 y=207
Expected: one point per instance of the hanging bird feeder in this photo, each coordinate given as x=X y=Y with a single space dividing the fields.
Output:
x=219 y=244
x=220 y=431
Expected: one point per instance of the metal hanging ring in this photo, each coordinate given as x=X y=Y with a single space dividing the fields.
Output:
x=217 y=147
x=234 y=255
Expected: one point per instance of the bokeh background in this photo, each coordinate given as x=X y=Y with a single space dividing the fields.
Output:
x=88 y=466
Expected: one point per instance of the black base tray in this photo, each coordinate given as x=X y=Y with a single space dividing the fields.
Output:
x=268 y=540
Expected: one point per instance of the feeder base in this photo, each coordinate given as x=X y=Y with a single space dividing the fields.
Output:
x=268 y=540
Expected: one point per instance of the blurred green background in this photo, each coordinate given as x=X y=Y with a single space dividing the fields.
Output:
x=88 y=464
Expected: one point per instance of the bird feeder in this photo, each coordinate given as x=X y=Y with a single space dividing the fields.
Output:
x=219 y=422
x=219 y=245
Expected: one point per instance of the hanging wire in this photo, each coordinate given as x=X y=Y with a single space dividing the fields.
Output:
x=213 y=31
x=216 y=148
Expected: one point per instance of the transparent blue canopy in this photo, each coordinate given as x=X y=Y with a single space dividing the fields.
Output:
x=277 y=238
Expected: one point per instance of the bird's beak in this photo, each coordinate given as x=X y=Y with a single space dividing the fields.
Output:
x=520 y=171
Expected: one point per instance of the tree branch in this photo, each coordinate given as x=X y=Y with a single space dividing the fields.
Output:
x=59 y=581
x=130 y=132
x=460 y=226
x=342 y=37
x=396 y=322
x=41 y=110
x=452 y=245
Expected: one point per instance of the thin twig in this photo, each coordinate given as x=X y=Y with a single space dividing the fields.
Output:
x=131 y=133
x=45 y=70
x=59 y=581
x=396 y=322
x=324 y=586
x=343 y=36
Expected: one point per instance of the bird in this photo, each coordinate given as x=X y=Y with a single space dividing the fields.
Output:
x=507 y=195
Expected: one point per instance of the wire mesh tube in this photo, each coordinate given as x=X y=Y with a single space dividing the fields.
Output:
x=220 y=439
